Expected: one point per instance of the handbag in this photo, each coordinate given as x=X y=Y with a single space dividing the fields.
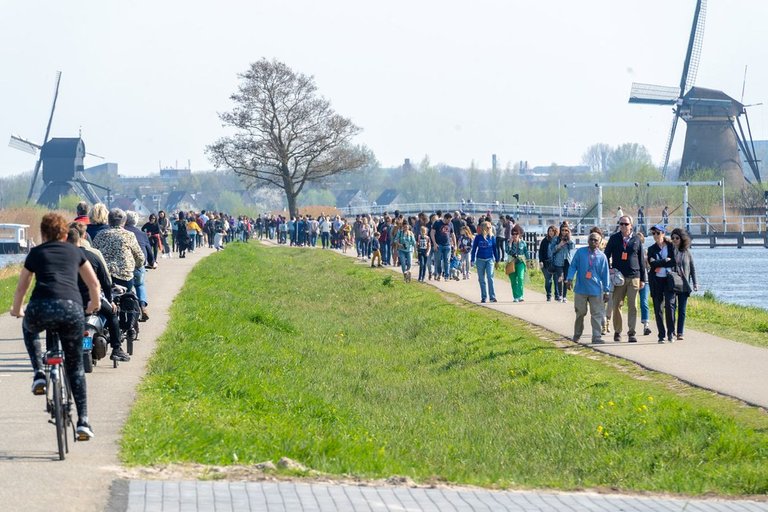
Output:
x=676 y=283
x=617 y=279
x=510 y=268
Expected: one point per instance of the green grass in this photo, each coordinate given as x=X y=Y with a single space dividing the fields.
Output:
x=9 y=277
x=275 y=352
x=708 y=314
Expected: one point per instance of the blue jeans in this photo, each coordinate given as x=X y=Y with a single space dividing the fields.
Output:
x=682 y=303
x=138 y=282
x=644 y=311
x=485 y=271
x=559 y=288
x=548 y=277
x=405 y=259
x=365 y=248
x=443 y=261
x=386 y=253
x=325 y=238
x=422 y=264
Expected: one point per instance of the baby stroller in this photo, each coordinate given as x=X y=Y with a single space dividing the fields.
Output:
x=455 y=266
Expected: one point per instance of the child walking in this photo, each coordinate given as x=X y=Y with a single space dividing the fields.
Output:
x=423 y=245
x=465 y=248
x=375 y=249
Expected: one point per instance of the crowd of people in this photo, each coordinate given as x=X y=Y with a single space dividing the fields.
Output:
x=614 y=269
x=611 y=272
x=79 y=261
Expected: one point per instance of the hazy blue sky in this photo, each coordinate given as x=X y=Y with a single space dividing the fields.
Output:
x=527 y=80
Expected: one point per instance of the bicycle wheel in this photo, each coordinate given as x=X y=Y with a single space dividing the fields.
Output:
x=58 y=414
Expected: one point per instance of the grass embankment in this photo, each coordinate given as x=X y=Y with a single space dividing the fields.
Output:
x=275 y=352
x=9 y=277
x=706 y=313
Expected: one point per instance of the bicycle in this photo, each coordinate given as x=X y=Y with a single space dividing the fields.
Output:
x=58 y=395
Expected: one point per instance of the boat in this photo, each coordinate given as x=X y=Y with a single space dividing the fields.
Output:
x=13 y=238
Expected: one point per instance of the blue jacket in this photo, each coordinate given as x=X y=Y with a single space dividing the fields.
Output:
x=597 y=264
x=484 y=249
x=558 y=256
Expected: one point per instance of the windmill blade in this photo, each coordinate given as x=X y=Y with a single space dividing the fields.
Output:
x=693 y=55
x=94 y=155
x=24 y=145
x=668 y=149
x=653 y=94
x=45 y=139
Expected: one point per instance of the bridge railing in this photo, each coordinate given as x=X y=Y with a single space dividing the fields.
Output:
x=534 y=216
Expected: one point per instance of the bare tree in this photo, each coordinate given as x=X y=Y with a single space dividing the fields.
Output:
x=596 y=157
x=285 y=134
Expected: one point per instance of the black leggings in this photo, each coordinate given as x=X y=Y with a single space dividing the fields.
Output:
x=66 y=318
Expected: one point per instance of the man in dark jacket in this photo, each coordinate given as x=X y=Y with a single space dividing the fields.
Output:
x=626 y=256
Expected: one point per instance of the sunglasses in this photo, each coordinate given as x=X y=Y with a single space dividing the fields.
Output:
x=623 y=223
x=675 y=238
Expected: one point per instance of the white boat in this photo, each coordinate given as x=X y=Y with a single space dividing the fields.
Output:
x=14 y=238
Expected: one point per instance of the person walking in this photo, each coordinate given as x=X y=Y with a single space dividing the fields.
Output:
x=641 y=220
x=517 y=253
x=685 y=267
x=405 y=244
x=545 y=260
x=661 y=259
x=465 y=247
x=625 y=253
x=644 y=293
x=182 y=237
x=444 y=239
x=560 y=249
x=484 y=257
x=423 y=245
x=589 y=268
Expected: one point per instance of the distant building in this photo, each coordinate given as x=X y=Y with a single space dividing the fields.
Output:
x=350 y=197
x=174 y=174
x=389 y=197
x=105 y=169
x=181 y=201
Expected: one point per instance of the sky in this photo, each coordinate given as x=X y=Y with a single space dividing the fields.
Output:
x=144 y=81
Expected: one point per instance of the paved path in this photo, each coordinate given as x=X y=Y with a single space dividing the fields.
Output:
x=166 y=496
x=31 y=476
x=33 y=479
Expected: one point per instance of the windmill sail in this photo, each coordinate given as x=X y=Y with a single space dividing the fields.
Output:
x=17 y=142
x=45 y=139
x=695 y=43
x=653 y=94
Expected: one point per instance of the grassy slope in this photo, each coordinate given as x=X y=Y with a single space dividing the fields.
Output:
x=9 y=277
x=280 y=352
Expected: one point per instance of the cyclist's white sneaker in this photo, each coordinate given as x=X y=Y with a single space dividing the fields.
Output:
x=84 y=431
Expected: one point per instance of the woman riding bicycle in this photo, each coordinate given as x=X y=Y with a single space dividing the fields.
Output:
x=56 y=305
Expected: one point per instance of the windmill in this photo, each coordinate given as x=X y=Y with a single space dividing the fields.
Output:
x=712 y=117
x=61 y=160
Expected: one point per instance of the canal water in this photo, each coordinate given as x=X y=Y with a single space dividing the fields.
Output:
x=733 y=275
